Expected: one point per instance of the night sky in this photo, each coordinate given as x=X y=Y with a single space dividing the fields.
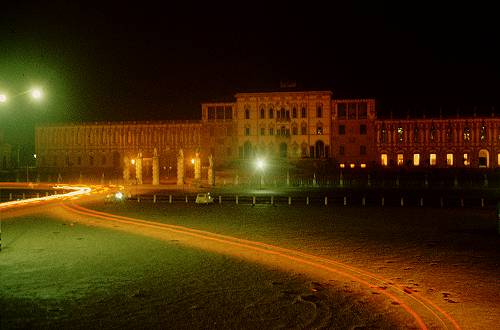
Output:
x=122 y=62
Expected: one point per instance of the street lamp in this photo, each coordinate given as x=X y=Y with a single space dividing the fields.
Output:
x=35 y=93
x=260 y=167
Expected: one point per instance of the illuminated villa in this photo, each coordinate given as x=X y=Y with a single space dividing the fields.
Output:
x=284 y=126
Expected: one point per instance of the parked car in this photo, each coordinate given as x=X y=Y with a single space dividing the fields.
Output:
x=115 y=197
x=204 y=198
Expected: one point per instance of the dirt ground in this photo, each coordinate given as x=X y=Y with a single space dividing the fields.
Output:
x=72 y=274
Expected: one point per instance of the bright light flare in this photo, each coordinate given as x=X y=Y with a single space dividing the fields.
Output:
x=192 y=160
x=36 y=93
x=3 y=98
x=260 y=164
x=119 y=195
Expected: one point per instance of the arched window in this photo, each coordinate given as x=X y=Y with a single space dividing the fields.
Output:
x=483 y=132
x=449 y=133
x=271 y=113
x=294 y=130
x=247 y=114
x=320 y=149
x=433 y=133
x=303 y=112
x=400 y=134
x=282 y=113
x=283 y=131
x=319 y=111
x=467 y=134
x=383 y=134
x=415 y=134
x=294 y=112
x=262 y=113
x=319 y=129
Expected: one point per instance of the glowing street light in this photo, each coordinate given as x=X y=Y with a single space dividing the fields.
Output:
x=36 y=93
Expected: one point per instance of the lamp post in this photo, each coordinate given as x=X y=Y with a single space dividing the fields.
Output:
x=36 y=94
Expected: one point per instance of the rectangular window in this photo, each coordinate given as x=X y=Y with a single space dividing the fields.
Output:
x=383 y=159
x=247 y=131
x=341 y=129
x=416 y=159
x=362 y=110
x=362 y=129
x=466 y=160
x=262 y=131
x=449 y=159
x=400 y=160
x=341 y=111
x=271 y=131
x=303 y=130
x=341 y=150
x=319 y=130
x=362 y=150
x=220 y=112
x=211 y=113
x=498 y=159
x=351 y=109
x=228 y=112
x=432 y=159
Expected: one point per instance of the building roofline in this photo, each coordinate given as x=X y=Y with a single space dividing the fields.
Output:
x=115 y=123
x=327 y=92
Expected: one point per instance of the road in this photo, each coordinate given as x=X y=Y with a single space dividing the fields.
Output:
x=285 y=243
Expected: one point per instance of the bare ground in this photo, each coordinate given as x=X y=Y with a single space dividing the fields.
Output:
x=69 y=274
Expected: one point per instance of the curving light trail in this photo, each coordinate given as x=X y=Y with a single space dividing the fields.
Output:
x=425 y=313
x=74 y=192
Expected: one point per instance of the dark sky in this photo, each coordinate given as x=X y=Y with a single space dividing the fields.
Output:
x=147 y=61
